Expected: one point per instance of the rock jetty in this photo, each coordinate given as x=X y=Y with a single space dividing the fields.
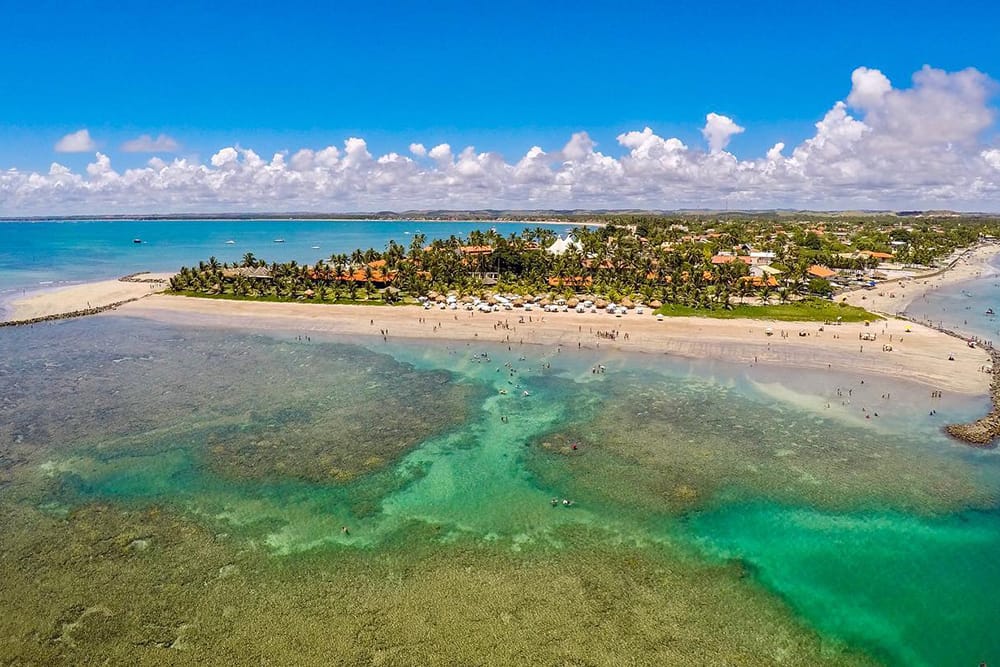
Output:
x=69 y=315
x=142 y=277
x=983 y=432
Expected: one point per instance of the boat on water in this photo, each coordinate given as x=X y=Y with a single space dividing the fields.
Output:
x=136 y=240
x=315 y=247
x=989 y=311
x=230 y=242
x=279 y=240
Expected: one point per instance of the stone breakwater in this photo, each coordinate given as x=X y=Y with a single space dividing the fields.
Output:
x=983 y=432
x=66 y=316
x=82 y=312
x=139 y=278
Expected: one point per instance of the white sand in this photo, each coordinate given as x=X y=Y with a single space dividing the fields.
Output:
x=82 y=297
x=919 y=355
x=892 y=297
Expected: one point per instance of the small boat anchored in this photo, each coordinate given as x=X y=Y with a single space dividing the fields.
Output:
x=136 y=240
x=989 y=311
x=230 y=242
x=279 y=240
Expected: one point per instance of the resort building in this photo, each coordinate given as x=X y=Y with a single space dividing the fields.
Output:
x=561 y=245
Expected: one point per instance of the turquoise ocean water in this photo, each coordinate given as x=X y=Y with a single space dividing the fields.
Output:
x=41 y=254
x=879 y=535
x=963 y=306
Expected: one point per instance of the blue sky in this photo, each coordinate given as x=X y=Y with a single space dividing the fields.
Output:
x=502 y=77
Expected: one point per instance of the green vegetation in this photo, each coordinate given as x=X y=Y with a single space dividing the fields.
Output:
x=375 y=300
x=806 y=310
x=703 y=264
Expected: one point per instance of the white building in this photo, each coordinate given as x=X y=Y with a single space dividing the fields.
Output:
x=561 y=245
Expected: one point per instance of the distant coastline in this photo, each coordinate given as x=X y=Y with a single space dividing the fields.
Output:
x=548 y=216
x=304 y=217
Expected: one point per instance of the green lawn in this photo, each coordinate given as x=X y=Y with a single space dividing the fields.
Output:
x=807 y=310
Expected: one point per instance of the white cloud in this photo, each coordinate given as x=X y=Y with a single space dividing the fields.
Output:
x=144 y=143
x=868 y=88
x=579 y=146
x=76 y=142
x=992 y=157
x=441 y=153
x=928 y=145
x=718 y=131
x=227 y=157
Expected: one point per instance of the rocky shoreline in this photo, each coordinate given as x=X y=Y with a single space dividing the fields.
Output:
x=82 y=312
x=137 y=278
x=69 y=315
x=983 y=432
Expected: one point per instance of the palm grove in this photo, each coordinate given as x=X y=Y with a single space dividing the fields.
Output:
x=647 y=258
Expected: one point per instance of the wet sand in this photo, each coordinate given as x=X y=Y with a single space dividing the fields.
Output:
x=918 y=353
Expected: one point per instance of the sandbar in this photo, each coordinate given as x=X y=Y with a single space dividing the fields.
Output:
x=919 y=354
x=86 y=296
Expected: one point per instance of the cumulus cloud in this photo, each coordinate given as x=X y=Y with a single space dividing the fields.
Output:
x=718 y=131
x=76 y=142
x=144 y=143
x=992 y=157
x=868 y=88
x=441 y=153
x=927 y=145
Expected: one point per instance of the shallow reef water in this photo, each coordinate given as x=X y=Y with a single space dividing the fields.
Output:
x=167 y=493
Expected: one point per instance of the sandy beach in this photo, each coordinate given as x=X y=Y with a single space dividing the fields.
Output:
x=918 y=353
x=892 y=297
x=84 y=297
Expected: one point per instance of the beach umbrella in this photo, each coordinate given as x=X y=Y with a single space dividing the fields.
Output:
x=572 y=302
x=601 y=303
x=627 y=303
x=655 y=303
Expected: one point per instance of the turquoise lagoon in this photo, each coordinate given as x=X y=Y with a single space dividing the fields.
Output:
x=166 y=492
